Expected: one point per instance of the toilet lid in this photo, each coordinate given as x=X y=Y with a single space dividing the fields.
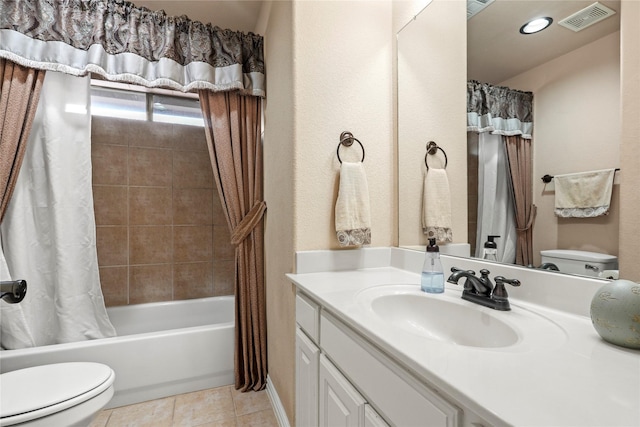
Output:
x=43 y=390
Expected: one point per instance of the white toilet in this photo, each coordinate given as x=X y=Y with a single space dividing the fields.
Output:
x=580 y=262
x=62 y=394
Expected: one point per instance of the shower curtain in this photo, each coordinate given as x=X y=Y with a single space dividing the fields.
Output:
x=48 y=232
x=495 y=200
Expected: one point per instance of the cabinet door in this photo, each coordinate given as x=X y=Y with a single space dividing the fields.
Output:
x=307 y=359
x=340 y=404
x=372 y=418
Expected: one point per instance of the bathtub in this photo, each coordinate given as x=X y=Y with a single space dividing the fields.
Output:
x=161 y=349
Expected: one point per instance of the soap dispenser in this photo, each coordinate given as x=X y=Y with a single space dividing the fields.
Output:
x=490 y=251
x=432 y=280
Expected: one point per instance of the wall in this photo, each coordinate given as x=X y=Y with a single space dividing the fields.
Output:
x=577 y=129
x=160 y=230
x=324 y=76
x=630 y=142
x=342 y=80
x=279 y=163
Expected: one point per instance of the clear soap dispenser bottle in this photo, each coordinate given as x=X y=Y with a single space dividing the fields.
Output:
x=490 y=251
x=432 y=280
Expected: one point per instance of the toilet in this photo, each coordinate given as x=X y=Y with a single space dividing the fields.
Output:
x=580 y=262
x=61 y=394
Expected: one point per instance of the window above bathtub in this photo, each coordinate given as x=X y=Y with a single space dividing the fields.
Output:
x=109 y=99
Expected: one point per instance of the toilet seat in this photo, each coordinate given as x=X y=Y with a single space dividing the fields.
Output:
x=39 y=391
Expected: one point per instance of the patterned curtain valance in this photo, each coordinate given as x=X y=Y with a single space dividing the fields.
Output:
x=122 y=42
x=499 y=110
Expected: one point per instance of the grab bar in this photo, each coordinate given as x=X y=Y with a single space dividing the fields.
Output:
x=13 y=291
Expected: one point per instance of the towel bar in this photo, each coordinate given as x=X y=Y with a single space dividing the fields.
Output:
x=547 y=178
x=432 y=148
x=346 y=139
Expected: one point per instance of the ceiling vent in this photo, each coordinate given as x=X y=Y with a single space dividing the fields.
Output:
x=586 y=17
x=475 y=6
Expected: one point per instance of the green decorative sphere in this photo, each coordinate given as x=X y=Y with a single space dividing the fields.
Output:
x=615 y=313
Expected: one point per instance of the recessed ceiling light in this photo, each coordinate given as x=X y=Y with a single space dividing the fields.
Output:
x=536 y=25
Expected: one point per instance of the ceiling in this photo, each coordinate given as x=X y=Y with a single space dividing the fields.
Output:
x=237 y=15
x=497 y=51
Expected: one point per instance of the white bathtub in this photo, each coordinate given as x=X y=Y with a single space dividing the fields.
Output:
x=161 y=349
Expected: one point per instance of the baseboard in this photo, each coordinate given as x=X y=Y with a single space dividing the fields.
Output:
x=278 y=409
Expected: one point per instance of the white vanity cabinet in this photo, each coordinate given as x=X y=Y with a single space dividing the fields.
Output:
x=341 y=378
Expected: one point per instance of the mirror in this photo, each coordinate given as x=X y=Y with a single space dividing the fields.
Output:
x=575 y=78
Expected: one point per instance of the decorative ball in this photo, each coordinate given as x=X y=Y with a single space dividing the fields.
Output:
x=615 y=313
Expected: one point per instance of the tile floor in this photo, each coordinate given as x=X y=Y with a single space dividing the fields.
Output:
x=215 y=407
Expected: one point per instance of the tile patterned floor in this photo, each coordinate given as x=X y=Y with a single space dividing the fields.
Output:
x=215 y=407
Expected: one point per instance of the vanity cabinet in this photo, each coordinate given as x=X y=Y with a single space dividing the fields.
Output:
x=343 y=380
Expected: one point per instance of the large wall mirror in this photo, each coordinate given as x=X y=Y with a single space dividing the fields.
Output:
x=575 y=79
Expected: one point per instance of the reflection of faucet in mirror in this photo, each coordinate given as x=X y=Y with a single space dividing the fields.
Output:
x=591 y=53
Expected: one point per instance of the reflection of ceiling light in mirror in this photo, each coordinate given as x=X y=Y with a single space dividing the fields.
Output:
x=536 y=25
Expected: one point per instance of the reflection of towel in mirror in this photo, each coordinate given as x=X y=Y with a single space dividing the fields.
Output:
x=583 y=195
x=436 y=205
x=353 y=218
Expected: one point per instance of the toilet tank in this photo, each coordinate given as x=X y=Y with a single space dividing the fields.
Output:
x=580 y=262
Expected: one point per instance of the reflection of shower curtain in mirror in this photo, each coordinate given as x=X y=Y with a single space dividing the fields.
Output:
x=48 y=233
x=495 y=199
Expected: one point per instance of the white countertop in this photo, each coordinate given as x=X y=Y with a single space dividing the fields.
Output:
x=579 y=380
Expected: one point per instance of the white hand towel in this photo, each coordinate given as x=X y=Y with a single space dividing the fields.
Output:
x=353 y=218
x=584 y=195
x=436 y=205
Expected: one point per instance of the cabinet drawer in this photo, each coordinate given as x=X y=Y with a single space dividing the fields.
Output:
x=308 y=316
x=400 y=398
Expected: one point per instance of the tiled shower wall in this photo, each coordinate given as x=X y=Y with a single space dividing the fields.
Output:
x=161 y=232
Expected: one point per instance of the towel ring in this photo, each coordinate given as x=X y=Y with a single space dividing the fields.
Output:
x=432 y=148
x=346 y=139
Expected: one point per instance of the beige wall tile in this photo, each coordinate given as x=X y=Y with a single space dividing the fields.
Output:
x=109 y=130
x=112 y=245
x=192 y=280
x=150 y=283
x=189 y=138
x=222 y=247
x=150 y=245
x=192 y=169
x=223 y=277
x=164 y=180
x=219 y=216
x=150 y=167
x=110 y=205
x=203 y=407
x=109 y=164
x=192 y=243
x=150 y=134
x=115 y=285
x=192 y=206
x=150 y=206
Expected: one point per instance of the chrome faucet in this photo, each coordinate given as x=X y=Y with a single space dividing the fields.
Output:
x=481 y=291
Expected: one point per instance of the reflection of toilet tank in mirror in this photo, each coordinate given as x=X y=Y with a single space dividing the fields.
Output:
x=580 y=262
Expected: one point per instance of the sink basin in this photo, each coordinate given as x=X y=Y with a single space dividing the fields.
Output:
x=444 y=320
x=448 y=318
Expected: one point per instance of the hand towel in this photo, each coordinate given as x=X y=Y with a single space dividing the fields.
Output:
x=436 y=205
x=353 y=218
x=583 y=195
